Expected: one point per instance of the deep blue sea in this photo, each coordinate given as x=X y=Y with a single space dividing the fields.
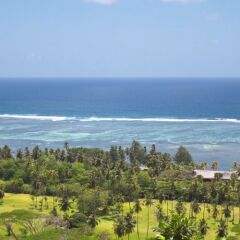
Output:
x=201 y=114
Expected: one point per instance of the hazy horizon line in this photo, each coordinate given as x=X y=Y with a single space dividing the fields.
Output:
x=122 y=78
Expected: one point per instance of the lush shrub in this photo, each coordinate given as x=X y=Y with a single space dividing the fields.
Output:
x=77 y=220
x=27 y=188
x=104 y=236
x=14 y=186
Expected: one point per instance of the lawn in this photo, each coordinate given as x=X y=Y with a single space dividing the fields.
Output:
x=19 y=207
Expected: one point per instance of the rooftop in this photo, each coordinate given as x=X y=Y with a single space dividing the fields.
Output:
x=210 y=174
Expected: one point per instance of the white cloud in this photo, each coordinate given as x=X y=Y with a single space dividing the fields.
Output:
x=183 y=1
x=103 y=2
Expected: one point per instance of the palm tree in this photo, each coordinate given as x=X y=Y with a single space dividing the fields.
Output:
x=148 y=203
x=159 y=213
x=172 y=190
x=167 y=206
x=203 y=227
x=36 y=152
x=235 y=166
x=119 y=226
x=195 y=208
x=119 y=208
x=64 y=204
x=233 y=214
x=217 y=176
x=222 y=230
x=137 y=208
x=19 y=154
x=214 y=166
x=27 y=153
x=6 y=152
x=234 y=179
x=180 y=209
x=92 y=221
x=215 y=211
x=238 y=200
x=129 y=223
x=227 y=213
x=204 y=209
x=66 y=146
x=205 y=165
x=208 y=210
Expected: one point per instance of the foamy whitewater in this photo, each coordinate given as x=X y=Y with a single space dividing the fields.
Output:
x=203 y=115
x=34 y=117
x=114 y=119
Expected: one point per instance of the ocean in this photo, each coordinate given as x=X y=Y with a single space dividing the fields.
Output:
x=200 y=114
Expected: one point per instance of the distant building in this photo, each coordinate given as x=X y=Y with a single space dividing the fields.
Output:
x=143 y=168
x=208 y=175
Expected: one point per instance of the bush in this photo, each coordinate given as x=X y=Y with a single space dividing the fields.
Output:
x=14 y=186
x=27 y=188
x=77 y=219
x=84 y=229
x=51 y=190
x=104 y=236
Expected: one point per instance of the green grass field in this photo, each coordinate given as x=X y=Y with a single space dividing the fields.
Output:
x=19 y=207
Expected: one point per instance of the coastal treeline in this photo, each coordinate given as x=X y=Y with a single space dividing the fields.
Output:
x=79 y=186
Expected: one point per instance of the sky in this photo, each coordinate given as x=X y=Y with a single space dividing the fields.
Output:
x=119 y=38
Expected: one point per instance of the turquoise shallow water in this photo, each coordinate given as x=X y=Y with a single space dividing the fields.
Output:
x=200 y=114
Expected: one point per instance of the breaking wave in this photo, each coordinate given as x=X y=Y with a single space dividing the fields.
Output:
x=99 y=119
x=119 y=119
x=35 y=117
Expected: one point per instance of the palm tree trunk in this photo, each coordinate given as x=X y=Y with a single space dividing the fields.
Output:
x=189 y=212
x=36 y=201
x=233 y=219
x=148 y=223
x=167 y=208
x=137 y=228
x=221 y=212
x=204 y=210
x=239 y=214
x=42 y=203
x=53 y=202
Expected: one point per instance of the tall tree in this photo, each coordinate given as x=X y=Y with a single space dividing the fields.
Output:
x=148 y=203
x=203 y=227
x=214 y=166
x=180 y=209
x=222 y=230
x=137 y=153
x=119 y=226
x=129 y=223
x=183 y=157
x=137 y=208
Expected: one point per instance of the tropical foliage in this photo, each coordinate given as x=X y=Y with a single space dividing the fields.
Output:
x=79 y=186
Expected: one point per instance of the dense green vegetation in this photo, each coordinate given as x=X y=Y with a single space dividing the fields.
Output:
x=80 y=193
